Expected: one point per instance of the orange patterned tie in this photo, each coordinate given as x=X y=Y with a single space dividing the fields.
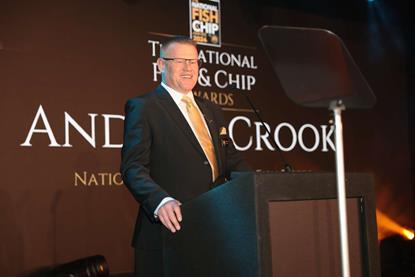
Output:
x=202 y=135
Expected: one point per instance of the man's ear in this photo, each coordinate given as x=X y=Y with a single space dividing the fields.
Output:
x=161 y=65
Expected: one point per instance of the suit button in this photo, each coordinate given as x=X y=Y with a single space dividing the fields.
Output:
x=205 y=162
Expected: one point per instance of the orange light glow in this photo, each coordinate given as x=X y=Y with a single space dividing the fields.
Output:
x=408 y=234
x=388 y=227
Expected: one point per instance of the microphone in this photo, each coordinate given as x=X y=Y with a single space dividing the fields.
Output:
x=286 y=166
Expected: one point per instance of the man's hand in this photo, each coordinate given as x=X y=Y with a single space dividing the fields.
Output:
x=170 y=215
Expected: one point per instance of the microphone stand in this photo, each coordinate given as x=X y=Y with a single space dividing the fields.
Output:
x=287 y=167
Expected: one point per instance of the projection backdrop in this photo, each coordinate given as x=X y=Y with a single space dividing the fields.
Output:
x=67 y=68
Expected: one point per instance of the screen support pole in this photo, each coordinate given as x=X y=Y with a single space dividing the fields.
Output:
x=337 y=107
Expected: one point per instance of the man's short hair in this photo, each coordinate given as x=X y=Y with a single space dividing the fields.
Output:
x=178 y=40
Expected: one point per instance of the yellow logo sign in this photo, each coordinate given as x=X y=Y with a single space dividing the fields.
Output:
x=205 y=22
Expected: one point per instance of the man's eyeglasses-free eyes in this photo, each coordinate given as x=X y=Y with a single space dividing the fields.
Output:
x=181 y=61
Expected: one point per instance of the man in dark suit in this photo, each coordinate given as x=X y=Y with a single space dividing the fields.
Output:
x=172 y=151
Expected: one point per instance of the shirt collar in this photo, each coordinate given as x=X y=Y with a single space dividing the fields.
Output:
x=177 y=96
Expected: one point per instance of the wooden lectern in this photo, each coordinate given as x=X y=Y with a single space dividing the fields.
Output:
x=274 y=224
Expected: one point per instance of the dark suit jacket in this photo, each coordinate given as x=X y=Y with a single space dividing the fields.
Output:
x=161 y=157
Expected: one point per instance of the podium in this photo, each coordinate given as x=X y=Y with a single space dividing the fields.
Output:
x=274 y=224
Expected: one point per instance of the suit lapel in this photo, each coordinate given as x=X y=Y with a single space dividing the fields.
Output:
x=213 y=129
x=170 y=106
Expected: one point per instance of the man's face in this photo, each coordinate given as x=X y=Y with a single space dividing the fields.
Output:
x=181 y=77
